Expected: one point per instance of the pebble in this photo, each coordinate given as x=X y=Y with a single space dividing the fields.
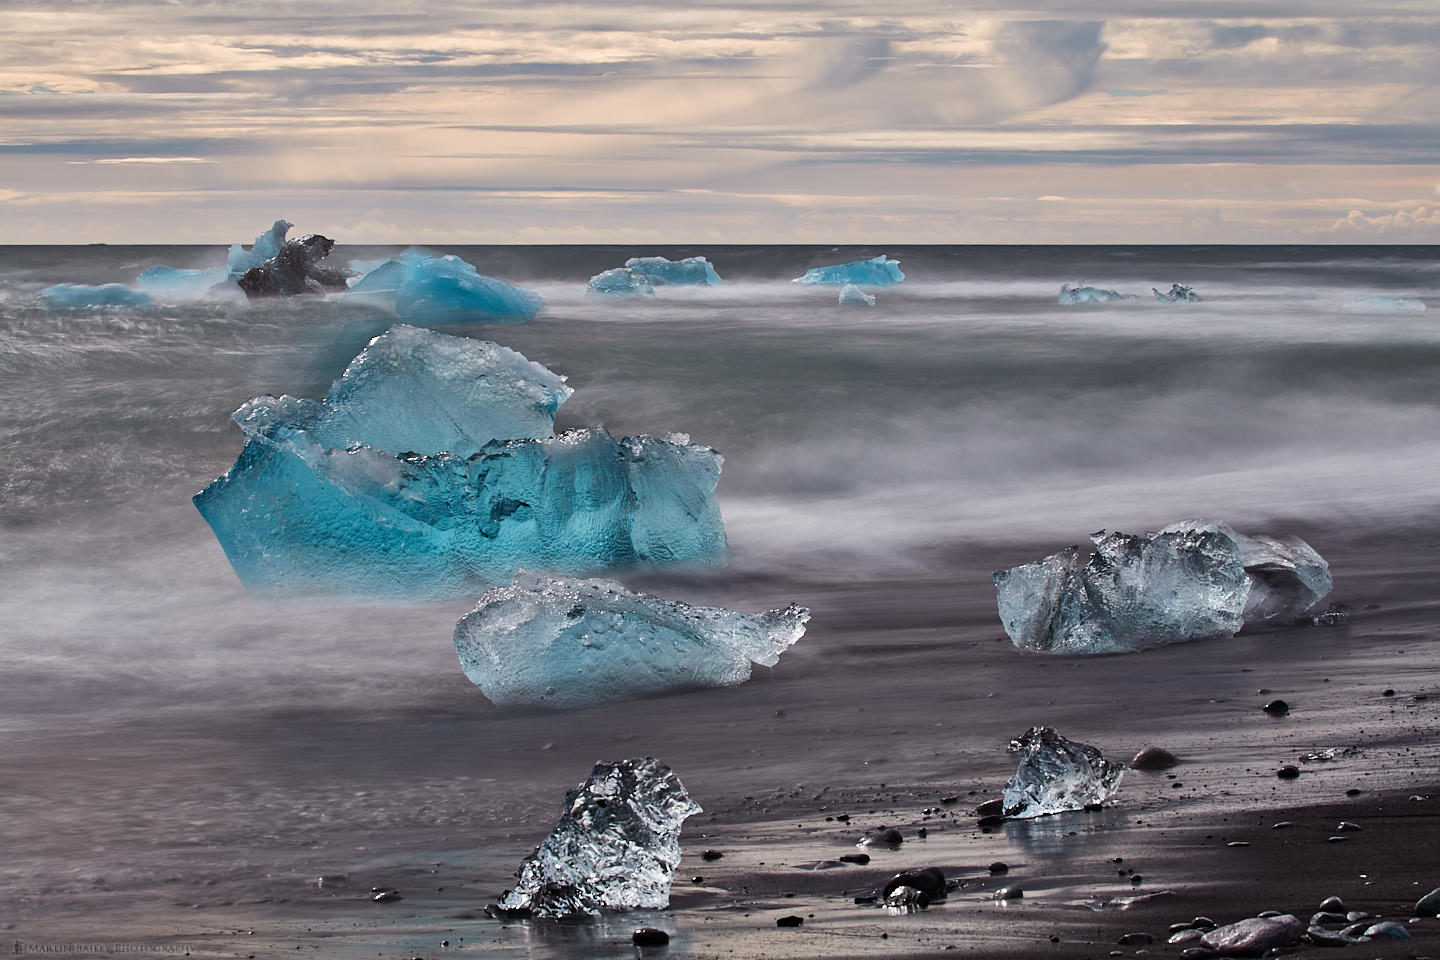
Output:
x=1276 y=708
x=990 y=808
x=1135 y=939
x=929 y=881
x=883 y=836
x=1012 y=892
x=1185 y=936
x=1321 y=937
x=710 y=855
x=1332 y=904
x=386 y=896
x=1254 y=936
x=1355 y=915
x=994 y=820
x=1347 y=827
x=1238 y=843
x=1288 y=772
x=790 y=921
x=999 y=867
x=1195 y=952
x=1269 y=914
x=649 y=937
x=1136 y=879
x=1429 y=905
x=1203 y=923
x=1325 y=916
x=1355 y=929
x=1154 y=758
x=1283 y=825
x=1388 y=928
x=1336 y=839
x=860 y=858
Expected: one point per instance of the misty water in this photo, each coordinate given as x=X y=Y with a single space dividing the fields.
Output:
x=160 y=726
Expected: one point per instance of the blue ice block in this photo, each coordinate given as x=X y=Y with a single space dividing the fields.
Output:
x=78 y=296
x=662 y=272
x=876 y=272
x=420 y=287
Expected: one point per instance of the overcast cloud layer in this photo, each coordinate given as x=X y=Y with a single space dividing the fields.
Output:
x=709 y=121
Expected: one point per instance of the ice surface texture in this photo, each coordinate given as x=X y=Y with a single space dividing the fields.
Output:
x=1192 y=580
x=334 y=495
x=853 y=296
x=420 y=287
x=266 y=246
x=78 y=296
x=876 y=272
x=620 y=282
x=615 y=847
x=1069 y=296
x=660 y=272
x=562 y=642
x=1056 y=775
x=1178 y=293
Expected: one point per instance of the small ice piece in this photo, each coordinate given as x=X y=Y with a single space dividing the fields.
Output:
x=420 y=287
x=615 y=847
x=295 y=270
x=1386 y=305
x=562 y=642
x=620 y=282
x=266 y=246
x=172 y=284
x=1178 y=292
x=78 y=296
x=1069 y=296
x=876 y=272
x=1192 y=580
x=1056 y=775
x=853 y=296
x=662 y=272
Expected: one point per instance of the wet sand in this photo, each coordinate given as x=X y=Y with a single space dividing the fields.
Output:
x=901 y=694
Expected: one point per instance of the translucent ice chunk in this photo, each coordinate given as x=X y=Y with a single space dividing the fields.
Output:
x=77 y=296
x=1189 y=581
x=172 y=285
x=853 y=296
x=1178 y=293
x=620 y=282
x=563 y=642
x=615 y=847
x=420 y=287
x=662 y=272
x=266 y=246
x=876 y=272
x=1070 y=296
x=1056 y=775
x=1386 y=305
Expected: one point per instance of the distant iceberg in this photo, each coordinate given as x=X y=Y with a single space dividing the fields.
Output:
x=1179 y=293
x=429 y=470
x=876 y=272
x=78 y=296
x=1386 y=305
x=422 y=288
x=621 y=282
x=1069 y=296
x=662 y=272
x=1190 y=581
x=853 y=296
x=562 y=642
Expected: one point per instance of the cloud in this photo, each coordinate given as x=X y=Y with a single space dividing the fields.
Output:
x=1420 y=223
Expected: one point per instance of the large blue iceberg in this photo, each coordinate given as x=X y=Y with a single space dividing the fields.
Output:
x=562 y=642
x=78 y=296
x=266 y=247
x=662 y=272
x=420 y=287
x=1069 y=296
x=621 y=282
x=878 y=271
x=1191 y=580
x=429 y=470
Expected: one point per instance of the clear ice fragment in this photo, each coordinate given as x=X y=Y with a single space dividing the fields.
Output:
x=615 y=847
x=1178 y=293
x=1190 y=581
x=1069 y=296
x=878 y=271
x=663 y=272
x=562 y=642
x=78 y=296
x=266 y=246
x=422 y=288
x=620 y=282
x=853 y=296
x=1056 y=775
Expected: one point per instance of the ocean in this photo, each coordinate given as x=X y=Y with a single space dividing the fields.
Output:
x=164 y=735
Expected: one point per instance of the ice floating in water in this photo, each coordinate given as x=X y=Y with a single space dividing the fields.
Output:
x=615 y=847
x=335 y=495
x=662 y=272
x=1386 y=305
x=172 y=284
x=876 y=272
x=1056 y=775
x=266 y=246
x=78 y=296
x=620 y=282
x=1191 y=580
x=420 y=287
x=1069 y=296
x=295 y=270
x=1178 y=292
x=562 y=642
x=853 y=296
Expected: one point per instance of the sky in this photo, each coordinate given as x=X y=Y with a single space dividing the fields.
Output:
x=721 y=121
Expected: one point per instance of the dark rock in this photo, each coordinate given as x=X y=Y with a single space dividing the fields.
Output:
x=649 y=937
x=1276 y=708
x=1185 y=936
x=1136 y=879
x=1135 y=940
x=1283 y=825
x=1387 y=692
x=1355 y=929
x=386 y=896
x=1336 y=839
x=907 y=897
x=1288 y=772
x=1429 y=905
x=1196 y=953
x=999 y=867
x=1182 y=925
x=990 y=808
x=1153 y=758
x=1011 y=892
x=1267 y=914
x=1333 y=905
x=1354 y=792
x=1334 y=615
x=865 y=899
x=296 y=269
x=711 y=855
x=1347 y=827
x=1388 y=928
x=949 y=800
x=860 y=858
x=1321 y=937
x=1326 y=916
x=994 y=820
x=883 y=837
x=790 y=921
x=1254 y=936
x=1355 y=915
x=1203 y=923
x=929 y=881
